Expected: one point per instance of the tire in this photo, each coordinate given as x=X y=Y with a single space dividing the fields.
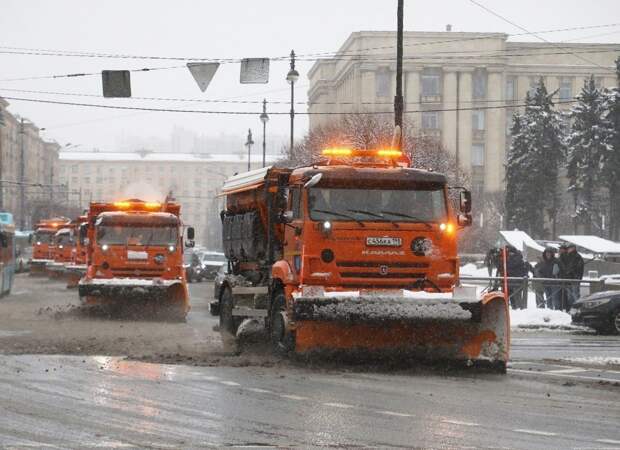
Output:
x=617 y=322
x=281 y=340
x=228 y=323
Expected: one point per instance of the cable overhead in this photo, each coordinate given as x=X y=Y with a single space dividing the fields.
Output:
x=536 y=35
x=89 y=74
x=281 y=113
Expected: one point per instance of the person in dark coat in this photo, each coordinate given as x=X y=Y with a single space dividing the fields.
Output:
x=548 y=267
x=517 y=268
x=571 y=268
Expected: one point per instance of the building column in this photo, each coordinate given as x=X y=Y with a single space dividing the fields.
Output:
x=448 y=119
x=495 y=134
x=523 y=85
x=464 y=121
x=412 y=97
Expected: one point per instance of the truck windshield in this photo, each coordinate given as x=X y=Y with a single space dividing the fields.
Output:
x=63 y=239
x=124 y=235
x=44 y=237
x=378 y=205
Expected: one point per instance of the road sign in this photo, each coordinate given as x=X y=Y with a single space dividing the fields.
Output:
x=116 y=83
x=254 y=71
x=203 y=73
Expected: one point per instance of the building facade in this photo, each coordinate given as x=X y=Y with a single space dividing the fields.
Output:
x=28 y=166
x=461 y=88
x=193 y=179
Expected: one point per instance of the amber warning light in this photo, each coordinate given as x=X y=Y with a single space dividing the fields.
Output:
x=382 y=153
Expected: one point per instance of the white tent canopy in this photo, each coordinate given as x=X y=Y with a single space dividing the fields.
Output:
x=519 y=239
x=593 y=244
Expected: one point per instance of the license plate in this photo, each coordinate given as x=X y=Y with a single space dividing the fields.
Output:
x=384 y=241
x=137 y=256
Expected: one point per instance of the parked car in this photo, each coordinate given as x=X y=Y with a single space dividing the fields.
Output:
x=214 y=306
x=600 y=311
x=211 y=263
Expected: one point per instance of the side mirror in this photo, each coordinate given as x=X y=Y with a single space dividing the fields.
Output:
x=83 y=233
x=286 y=217
x=465 y=202
x=313 y=181
x=190 y=233
x=464 y=220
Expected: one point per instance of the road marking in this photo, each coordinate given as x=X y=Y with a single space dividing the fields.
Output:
x=536 y=432
x=339 y=405
x=574 y=377
x=260 y=391
x=393 y=413
x=573 y=370
x=207 y=377
x=608 y=441
x=294 y=397
x=230 y=383
x=459 y=422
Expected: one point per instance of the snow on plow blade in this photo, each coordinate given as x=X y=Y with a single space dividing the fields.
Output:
x=437 y=329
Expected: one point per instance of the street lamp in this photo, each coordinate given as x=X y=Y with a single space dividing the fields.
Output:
x=249 y=143
x=292 y=78
x=264 y=118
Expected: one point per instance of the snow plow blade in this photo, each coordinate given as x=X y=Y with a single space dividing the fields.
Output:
x=437 y=330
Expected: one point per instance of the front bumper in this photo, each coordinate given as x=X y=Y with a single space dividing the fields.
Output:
x=133 y=288
x=596 y=318
x=54 y=266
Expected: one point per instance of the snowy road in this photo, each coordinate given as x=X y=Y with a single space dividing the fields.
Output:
x=552 y=396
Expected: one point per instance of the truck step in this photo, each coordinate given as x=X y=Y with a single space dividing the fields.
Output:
x=250 y=290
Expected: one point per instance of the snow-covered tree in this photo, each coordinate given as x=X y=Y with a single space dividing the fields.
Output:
x=589 y=145
x=610 y=168
x=534 y=159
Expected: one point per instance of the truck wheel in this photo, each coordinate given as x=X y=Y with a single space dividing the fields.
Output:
x=228 y=323
x=617 y=322
x=280 y=337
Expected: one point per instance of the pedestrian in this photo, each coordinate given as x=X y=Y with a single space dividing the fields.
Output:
x=493 y=261
x=548 y=267
x=571 y=268
x=515 y=268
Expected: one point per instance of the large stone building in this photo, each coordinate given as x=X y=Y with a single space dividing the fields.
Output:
x=28 y=165
x=481 y=75
x=193 y=179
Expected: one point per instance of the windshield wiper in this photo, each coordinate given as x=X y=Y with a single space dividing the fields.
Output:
x=334 y=213
x=408 y=216
x=373 y=214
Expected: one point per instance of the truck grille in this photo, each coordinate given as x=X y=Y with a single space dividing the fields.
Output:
x=132 y=272
x=387 y=276
x=390 y=265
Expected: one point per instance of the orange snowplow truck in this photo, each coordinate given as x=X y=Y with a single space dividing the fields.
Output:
x=357 y=252
x=135 y=256
x=43 y=244
x=64 y=244
x=75 y=269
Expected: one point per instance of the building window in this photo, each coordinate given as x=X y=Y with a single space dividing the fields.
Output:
x=85 y=169
x=74 y=181
x=430 y=120
x=98 y=170
x=74 y=168
x=477 y=155
x=99 y=180
x=86 y=180
x=431 y=81
x=477 y=120
x=480 y=84
x=383 y=83
x=511 y=88
x=566 y=88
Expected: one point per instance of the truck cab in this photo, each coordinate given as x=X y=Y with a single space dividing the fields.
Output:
x=43 y=244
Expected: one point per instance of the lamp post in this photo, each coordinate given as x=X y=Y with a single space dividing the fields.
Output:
x=292 y=78
x=264 y=118
x=249 y=143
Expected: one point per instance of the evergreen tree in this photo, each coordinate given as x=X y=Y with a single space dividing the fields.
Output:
x=610 y=168
x=535 y=156
x=588 y=146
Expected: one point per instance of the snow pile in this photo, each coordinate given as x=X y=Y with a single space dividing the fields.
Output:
x=354 y=309
x=471 y=270
x=539 y=317
x=594 y=360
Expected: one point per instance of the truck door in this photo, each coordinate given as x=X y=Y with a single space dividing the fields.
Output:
x=293 y=231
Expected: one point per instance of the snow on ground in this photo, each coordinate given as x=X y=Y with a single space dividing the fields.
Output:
x=594 y=360
x=471 y=270
x=539 y=317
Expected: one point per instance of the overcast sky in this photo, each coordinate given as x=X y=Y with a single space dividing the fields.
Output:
x=223 y=29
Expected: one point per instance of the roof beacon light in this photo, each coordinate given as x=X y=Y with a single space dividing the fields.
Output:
x=389 y=153
x=337 y=152
x=152 y=205
x=122 y=205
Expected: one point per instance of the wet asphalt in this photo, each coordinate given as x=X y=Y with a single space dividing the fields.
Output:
x=73 y=400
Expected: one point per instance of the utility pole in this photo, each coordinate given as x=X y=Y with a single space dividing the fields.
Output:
x=398 y=99
x=22 y=178
x=249 y=144
x=264 y=118
x=2 y=123
x=292 y=78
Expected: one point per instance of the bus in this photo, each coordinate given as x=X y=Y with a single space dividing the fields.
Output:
x=7 y=253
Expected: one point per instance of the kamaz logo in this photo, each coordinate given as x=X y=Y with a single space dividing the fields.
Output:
x=383 y=252
x=383 y=270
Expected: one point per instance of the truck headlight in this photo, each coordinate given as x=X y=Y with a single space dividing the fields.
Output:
x=105 y=247
x=171 y=248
